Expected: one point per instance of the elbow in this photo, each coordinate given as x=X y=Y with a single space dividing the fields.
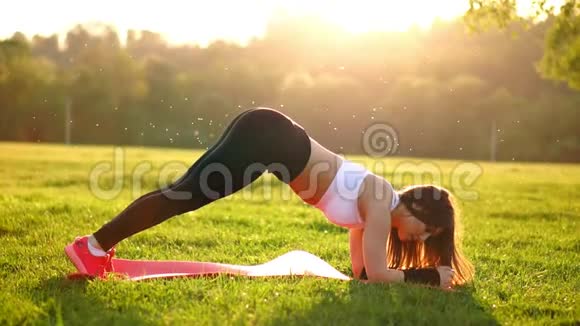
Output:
x=376 y=277
x=385 y=276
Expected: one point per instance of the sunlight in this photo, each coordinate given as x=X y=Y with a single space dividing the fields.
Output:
x=202 y=22
x=372 y=15
x=186 y=21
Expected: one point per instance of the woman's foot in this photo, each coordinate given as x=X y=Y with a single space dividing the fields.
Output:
x=86 y=262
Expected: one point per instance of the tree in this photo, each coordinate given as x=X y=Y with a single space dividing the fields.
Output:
x=561 y=59
x=25 y=83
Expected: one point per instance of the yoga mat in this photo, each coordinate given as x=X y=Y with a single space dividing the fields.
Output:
x=293 y=263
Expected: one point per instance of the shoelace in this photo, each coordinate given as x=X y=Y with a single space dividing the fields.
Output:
x=108 y=266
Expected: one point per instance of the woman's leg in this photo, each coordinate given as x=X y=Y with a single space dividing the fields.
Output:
x=257 y=140
x=144 y=197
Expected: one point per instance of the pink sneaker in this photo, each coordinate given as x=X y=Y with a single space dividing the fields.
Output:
x=86 y=263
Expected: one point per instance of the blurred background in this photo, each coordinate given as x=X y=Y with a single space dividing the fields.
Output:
x=459 y=79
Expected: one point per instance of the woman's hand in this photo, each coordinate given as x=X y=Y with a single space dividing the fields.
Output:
x=446 y=276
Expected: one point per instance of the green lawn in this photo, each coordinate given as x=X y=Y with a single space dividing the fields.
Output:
x=522 y=235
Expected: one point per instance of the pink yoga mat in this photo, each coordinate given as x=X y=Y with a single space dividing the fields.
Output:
x=293 y=263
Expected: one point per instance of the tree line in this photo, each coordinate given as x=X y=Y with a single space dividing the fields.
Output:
x=447 y=93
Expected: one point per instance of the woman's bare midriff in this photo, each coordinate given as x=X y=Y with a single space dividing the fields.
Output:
x=318 y=173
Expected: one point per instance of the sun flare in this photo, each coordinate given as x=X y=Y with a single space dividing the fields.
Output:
x=239 y=21
x=371 y=15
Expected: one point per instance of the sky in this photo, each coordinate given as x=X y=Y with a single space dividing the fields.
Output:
x=201 y=22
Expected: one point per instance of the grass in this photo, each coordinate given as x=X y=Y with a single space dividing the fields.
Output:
x=521 y=234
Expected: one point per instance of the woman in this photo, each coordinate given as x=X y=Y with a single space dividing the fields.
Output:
x=407 y=236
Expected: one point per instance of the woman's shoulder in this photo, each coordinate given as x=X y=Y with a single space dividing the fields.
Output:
x=375 y=191
x=374 y=184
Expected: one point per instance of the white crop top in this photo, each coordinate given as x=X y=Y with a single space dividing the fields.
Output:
x=339 y=202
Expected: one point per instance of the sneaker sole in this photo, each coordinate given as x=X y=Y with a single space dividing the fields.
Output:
x=74 y=258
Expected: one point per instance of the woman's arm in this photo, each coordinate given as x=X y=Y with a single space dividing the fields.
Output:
x=356 y=253
x=376 y=213
x=375 y=251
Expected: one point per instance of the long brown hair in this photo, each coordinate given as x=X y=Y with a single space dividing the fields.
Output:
x=436 y=207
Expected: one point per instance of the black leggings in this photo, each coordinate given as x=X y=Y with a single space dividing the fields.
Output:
x=256 y=140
